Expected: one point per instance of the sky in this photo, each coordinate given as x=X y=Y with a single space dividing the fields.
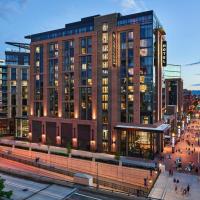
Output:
x=180 y=19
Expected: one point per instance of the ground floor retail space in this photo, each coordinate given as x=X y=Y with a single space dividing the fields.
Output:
x=140 y=142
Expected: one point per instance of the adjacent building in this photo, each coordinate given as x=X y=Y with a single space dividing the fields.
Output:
x=17 y=69
x=4 y=124
x=97 y=84
x=174 y=93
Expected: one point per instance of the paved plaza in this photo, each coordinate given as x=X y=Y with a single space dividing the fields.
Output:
x=164 y=188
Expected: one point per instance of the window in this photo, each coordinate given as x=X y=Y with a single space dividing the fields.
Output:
x=24 y=74
x=105 y=97
x=105 y=81
x=37 y=50
x=104 y=106
x=105 y=89
x=105 y=27
x=130 y=35
x=84 y=66
x=105 y=56
x=145 y=42
x=26 y=60
x=105 y=38
x=105 y=48
x=105 y=64
x=13 y=73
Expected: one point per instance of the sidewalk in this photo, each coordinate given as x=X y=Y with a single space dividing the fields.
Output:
x=126 y=160
x=164 y=188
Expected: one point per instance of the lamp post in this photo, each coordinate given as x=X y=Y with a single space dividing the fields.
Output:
x=173 y=142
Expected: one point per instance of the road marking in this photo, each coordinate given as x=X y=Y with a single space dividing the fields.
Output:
x=83 y=195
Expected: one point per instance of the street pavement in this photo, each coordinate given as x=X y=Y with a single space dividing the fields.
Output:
x=187 y=149
x=164 y=188
x=30 y=190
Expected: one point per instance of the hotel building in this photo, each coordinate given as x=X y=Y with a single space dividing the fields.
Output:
x=97 y=84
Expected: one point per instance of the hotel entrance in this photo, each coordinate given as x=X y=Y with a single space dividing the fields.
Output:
x=139 y=141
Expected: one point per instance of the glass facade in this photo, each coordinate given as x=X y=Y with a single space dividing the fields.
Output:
x=38 y=79
x=85 y=82
x=3 y=91
x=68 y=79
x=138 y=143
x=126 y=76
x=53 y=79
x=147 y=84
x=105 y=87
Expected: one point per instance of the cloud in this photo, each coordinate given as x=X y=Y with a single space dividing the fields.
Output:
x=8 y=7
x=196 y=84
x=133 y=5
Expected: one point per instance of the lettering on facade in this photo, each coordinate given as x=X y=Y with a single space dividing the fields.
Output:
x=164 y=53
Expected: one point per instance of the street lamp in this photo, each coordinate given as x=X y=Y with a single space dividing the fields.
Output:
x=173 y=142
x=179 y=131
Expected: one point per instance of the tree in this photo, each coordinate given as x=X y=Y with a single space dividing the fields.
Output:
x=69 y=148
x=117 y=156
x=3 y=193
x=48 y=143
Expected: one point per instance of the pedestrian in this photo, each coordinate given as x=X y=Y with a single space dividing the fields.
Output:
x=197 y=170
x=188 y=188
x=176 y=188
x=174 y=180
x=177 y=181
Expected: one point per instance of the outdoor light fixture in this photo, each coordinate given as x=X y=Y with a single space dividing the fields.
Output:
x=173 y=142
x=59 y=114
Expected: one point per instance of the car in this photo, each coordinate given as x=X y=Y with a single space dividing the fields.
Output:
x=178 y=162
x=188 y=168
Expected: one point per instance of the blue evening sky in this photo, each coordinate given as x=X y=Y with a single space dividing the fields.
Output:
x=180 y=18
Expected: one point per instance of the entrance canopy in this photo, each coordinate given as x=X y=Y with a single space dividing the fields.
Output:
x=160 y=128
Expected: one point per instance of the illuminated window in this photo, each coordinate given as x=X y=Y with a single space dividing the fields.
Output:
x=142 y=79
x=56 y=46
x=37 y=77
x=37 y=49
x=105 y=134
x=131 y=71
x=105 y=64
x=83 y=50
x=145 y=120
x=83 y=105
x=105 y=48
x=130 y=35
x=104 y=81
x=105 y=89
x=105 y=38
x=130 y=97
x=84 y=66
x=144 y=52
x=105 y=56
x=143 y=88
x=89 y=81
x=105 y=97
x=123 y=106
x=105 y=106
x=130 y=88
x=37 y=63
x=105 y=27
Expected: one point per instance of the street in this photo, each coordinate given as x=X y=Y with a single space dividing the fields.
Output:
x=187 y=149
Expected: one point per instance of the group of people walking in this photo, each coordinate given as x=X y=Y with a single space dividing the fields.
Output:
x=183 y=190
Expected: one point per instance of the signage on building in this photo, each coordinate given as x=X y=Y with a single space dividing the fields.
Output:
x=164 y=53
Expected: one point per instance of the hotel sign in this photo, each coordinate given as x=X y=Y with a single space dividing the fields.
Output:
x=164 y=53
